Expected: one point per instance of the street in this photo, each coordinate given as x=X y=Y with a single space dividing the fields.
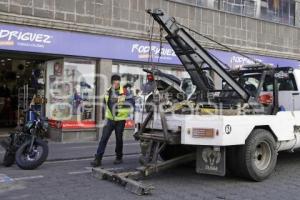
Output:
x=209 y=86
x=71 y=179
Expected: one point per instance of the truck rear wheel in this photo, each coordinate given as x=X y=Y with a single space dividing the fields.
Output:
x=258 y=157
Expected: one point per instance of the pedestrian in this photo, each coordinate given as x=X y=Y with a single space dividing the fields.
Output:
x=117 y=110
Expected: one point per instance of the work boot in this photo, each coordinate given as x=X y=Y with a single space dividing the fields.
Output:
x=118 y=161
x=97 y=161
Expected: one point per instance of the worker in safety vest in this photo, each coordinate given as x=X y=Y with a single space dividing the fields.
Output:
x=118 y=106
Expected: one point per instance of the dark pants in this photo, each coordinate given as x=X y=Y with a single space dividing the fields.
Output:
x=118 y=127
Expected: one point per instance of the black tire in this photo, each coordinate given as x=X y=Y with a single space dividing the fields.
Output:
x=8 y=159
x=258 y=157
x=21 y=159
x=173 y=151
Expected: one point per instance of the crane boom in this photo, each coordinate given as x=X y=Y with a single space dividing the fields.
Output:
x=193 y=56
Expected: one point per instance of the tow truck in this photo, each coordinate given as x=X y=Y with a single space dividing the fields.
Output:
x=237 y=125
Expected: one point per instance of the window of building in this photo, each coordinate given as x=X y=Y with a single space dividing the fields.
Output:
x=242 y=7
x=203 y=3
x=280 y=11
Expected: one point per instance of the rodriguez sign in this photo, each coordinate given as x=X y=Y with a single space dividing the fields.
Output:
x=25 y=36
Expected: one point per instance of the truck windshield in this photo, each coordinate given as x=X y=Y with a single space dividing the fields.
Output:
x=251 y=82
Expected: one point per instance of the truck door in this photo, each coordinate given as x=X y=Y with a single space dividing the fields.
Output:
x=289 y=96
x=296 y=100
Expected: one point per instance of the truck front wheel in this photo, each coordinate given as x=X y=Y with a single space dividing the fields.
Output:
x=258 y=157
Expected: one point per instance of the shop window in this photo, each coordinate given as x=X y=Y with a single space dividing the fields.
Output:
x=132 y=75
x=71 y=90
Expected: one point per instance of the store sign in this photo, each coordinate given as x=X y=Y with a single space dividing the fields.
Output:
x=39 y=40
x=154 y=52
x=19 y=38
x=233 y=60
x=29 y=39
x=27 y=36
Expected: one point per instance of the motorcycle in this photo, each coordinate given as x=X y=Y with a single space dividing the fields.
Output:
x=27 y=146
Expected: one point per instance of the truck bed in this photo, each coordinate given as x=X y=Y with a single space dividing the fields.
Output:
x=227 y=130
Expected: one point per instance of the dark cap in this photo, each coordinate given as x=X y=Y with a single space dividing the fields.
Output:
x=115 y=77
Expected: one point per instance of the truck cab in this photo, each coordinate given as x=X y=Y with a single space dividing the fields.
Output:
x=289 y=91
x=287 y=86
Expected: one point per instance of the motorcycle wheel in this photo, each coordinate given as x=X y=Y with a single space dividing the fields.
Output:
x=31 y=160
x=9 y=159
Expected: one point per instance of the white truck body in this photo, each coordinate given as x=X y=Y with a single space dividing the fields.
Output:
x=235 y=129
x=282 y=126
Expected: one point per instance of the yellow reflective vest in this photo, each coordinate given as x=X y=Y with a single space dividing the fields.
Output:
x=121 y=109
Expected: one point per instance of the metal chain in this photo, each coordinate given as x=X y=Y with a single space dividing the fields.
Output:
x=150 y=31
x=220 y=44
x=160 y=42
x=150 y=56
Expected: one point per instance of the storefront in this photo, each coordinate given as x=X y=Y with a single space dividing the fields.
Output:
x=73 y=74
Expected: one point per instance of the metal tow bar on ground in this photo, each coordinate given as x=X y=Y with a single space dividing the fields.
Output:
x=125 y=179
x=130 y=179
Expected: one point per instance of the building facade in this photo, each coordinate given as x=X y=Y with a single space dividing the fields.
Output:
x=82 y=40
x=268 y=27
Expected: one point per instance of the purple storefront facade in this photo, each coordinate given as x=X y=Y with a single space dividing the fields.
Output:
x=75 y=55
x=65 y=43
